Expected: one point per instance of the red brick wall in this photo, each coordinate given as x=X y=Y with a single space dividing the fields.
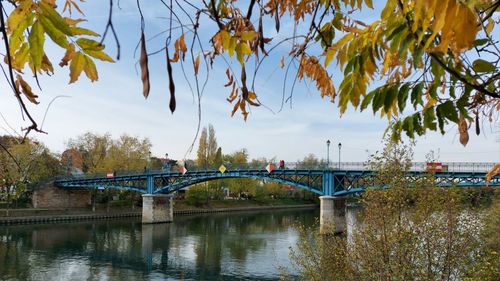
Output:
x=49 y=196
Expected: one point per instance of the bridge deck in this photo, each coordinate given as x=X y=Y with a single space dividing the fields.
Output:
x=320 y=181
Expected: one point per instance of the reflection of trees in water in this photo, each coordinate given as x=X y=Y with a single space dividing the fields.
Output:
x=114 y=248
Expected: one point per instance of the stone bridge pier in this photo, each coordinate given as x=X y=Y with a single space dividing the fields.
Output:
x=50 y=196
x=332 y=219
x=157 y=208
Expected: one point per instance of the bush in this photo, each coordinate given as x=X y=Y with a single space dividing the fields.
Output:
x=196 y=196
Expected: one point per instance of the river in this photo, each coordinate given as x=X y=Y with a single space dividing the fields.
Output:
x=224 y=246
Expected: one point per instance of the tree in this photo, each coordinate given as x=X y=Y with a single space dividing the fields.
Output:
x=93 y=148
x=211 y=146
x=412 y=230
x=441 y=57
x=202 y=153
x=23 y=165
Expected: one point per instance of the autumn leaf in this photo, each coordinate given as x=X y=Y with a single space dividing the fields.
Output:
x=70 y=52
x=90 y=69
x=76 y=67
x=143 y=62
x=463 y=131
x=196 y=64
x=25 y=88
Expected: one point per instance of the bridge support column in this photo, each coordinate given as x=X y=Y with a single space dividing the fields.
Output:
x=157 y=208
x=332 y=215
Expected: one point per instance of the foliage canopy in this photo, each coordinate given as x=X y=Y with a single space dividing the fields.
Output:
x=420 y=63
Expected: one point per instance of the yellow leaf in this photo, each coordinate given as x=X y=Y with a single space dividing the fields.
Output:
x=232 y=45
x=17 y=16
x=20 y=58
x=242 y=49
x=90 y=69
x=99 y=55
x=196 y=64
x=89 y=44
x=82 y=31
x=36 y=40
x=76 y=67
x=73 y=22
x=225 y=37
x=247 y=35
x=489 y=26
x=252 y=95
x=18 y=37
x=282 y=62
x=329 y=56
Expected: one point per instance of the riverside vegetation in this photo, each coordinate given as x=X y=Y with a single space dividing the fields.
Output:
x=412 y=231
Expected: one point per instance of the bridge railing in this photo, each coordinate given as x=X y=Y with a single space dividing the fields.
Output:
x=416 y=166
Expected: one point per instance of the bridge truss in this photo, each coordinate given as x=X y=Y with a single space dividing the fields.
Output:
x=320 y=181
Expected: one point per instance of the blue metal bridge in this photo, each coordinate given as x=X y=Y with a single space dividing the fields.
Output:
x=320 y=180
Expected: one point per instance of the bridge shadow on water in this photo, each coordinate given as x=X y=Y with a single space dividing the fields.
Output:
x=234 y=246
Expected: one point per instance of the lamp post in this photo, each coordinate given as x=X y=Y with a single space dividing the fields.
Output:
x=328 y=153
x=340 y=146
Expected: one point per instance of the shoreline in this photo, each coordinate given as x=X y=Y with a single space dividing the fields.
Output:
x=34 y=219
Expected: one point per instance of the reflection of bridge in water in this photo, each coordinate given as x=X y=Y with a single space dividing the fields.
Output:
x=331 y=182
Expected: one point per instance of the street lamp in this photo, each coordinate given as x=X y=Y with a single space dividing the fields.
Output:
x=340 y=146
x=328 y=153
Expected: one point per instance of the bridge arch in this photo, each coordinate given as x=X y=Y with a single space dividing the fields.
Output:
x=190 y=181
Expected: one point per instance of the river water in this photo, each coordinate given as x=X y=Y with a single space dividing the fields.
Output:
x=227 y=246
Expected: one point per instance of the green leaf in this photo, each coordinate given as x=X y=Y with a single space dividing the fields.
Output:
x=480 y=42
x=36 y=40
x=416 y=95
x=480 y=65
x=429 y=119
x=378 y=100
x=56 y=19
x=408 y=127
x=89 y=44
x=403 y=96
x=76 y=67
x=55 y=34
x=417 y=124
x=391 y=95
x=396 y=131
x=367 y=99
x=449 y=111
x=441 y=119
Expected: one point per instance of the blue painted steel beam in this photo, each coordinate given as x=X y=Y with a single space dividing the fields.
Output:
x=332 y=181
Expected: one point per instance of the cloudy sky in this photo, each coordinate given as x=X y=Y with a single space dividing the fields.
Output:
x=115 y=104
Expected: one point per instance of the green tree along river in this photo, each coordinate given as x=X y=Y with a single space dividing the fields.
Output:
x=231 y=246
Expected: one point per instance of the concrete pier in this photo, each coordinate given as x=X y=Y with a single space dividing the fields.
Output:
x=157 y=208
x=332 y=215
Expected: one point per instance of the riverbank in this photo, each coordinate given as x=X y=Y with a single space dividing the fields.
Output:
x=26 y=216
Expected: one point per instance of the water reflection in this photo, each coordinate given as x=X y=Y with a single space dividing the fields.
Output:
x=237 y=246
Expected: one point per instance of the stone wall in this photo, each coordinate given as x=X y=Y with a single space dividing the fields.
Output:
x=50 y=196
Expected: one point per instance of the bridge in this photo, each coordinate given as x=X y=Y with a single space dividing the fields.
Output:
x=331 y=182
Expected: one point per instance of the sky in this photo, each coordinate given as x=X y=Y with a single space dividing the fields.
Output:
x=115 y=104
